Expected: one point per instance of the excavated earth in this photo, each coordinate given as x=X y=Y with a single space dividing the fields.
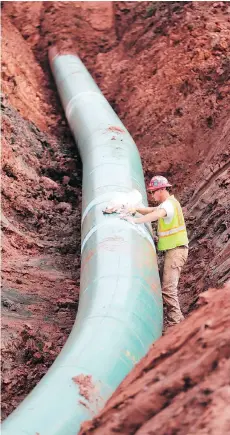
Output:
x=165 y=69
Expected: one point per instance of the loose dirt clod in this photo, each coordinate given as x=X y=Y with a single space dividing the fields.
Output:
x=86 y=387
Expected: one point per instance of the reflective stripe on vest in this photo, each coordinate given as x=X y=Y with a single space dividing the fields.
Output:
x=172 y=231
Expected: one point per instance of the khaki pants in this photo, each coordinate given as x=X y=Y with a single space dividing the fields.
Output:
x=173 y=262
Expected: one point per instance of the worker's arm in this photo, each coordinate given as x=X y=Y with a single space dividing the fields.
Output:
x=150 y=217
x=145 y=210
x=141 y=210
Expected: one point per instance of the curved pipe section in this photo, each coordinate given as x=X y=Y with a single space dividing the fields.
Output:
x=120 y=310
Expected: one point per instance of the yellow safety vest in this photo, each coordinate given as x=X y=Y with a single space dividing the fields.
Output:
x=173 y=234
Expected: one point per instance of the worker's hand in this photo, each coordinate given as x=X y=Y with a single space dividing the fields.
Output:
x=110 y=210
x=155 y=238
x=132 y=210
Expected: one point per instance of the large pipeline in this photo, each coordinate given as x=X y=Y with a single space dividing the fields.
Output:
x=120 y=310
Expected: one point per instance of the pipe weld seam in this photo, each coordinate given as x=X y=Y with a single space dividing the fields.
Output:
x=140 y=230
x=76 y=97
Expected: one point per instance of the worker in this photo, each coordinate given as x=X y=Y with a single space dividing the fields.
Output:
x=172 y=239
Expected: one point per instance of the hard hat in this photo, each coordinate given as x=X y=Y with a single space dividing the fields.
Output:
x=158 y=182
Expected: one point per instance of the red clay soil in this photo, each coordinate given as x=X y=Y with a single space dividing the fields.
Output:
x=165 y=69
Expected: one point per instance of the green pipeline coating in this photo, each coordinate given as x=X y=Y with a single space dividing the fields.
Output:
x=120 y=311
